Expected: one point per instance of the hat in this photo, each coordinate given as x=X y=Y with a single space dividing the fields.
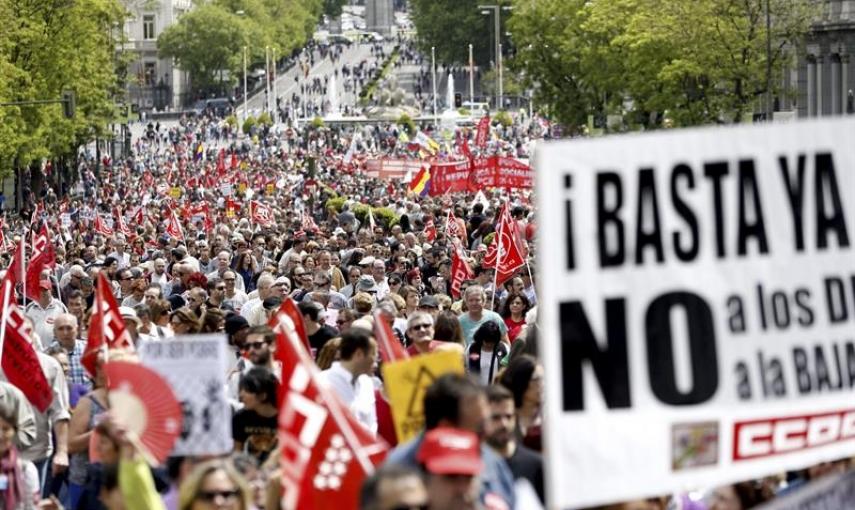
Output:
x=450 y=451
x=428 y=301
x=367 y=261
x=235 y=323
x=130 y=314
x=45 y=284
x=366 y=283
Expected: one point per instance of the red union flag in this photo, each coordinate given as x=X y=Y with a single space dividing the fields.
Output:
x=120 y=223
x=326 y=454
x=200 y=212
x=483 y=132
x=460 y=271
x=138 y=217
x=387 y=343
x=260 y=213
x=452 y=226
x=504 y=252
x=430 y=231
x=173 y=225
x=20 y=362
x=101 y=226
x=106 y=327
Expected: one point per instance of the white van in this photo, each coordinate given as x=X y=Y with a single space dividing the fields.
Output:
x=476 y=109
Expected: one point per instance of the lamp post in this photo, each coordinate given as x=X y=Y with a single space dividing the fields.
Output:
x=245 y=113
x=471 y=78
x=267 y=78
x=496 y=11
x=433 y=79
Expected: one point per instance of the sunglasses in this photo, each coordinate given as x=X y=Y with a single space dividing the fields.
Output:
x=211 y=496
x=419 y=327
x=253 y=345
x=409 y=507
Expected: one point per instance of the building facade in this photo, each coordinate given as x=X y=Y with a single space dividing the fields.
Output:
x=379 y=16
x=154 y=83
x=825 y=74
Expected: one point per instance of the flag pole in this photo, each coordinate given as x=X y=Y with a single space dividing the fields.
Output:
x=5 y=318
x=498 y=257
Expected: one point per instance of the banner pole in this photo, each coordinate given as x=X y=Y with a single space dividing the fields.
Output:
x=498 y=257
x=5 y=317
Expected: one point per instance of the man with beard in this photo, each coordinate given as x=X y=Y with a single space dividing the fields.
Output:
x=500 y=436
x=258 y=347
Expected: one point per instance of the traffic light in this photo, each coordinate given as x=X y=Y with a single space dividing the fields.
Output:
x=69 y=103
x=458 y=99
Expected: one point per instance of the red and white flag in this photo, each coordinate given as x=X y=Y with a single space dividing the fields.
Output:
x=388 y=345
x=460 y=271
x=38 y=212
x=326 y=453
x=483 y=132
x=232 y=208
x=173 y=225
x=260 y=213
x=106 y=327
x=504 y=253
x=452 y=226
x=20 y=362
x=101 y=226
x=200 y=212
x=430 y=231
x=138 y=216
x=120 y=223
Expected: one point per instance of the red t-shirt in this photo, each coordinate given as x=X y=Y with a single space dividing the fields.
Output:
x=412 y=351
x=514 y=328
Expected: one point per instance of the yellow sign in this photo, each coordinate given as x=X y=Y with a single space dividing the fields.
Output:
x=242 y=188
x=406 y=382
x=175 y=192
x=270 y=189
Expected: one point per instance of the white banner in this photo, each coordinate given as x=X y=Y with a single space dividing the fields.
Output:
x=196 y=368
x=697 y=307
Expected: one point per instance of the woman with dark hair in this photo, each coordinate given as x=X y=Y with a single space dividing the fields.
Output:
x=485 y=353
x=245 y=268
x=513 y=311
x=411 y=297
x=254 y=428
x=447 y=328
x=524 y=378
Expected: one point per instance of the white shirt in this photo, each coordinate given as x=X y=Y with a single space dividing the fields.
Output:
x=357 y=395
x=249 y=311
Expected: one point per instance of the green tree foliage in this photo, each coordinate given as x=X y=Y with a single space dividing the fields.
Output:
x=452 y=25
x=210 y=38
x=689 y=62
x=47 y=46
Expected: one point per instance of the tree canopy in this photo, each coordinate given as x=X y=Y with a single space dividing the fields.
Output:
x=654 y=61
x=210 y=38
x=47 y=47
x=452 y=25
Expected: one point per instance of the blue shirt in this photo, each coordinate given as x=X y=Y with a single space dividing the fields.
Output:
x=469 y=326
x=77 y=374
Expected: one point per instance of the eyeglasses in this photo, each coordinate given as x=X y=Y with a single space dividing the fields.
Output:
x=220 y=288
x=228 y=280
x=418 y=327
x=211 y=496
x=253 y=345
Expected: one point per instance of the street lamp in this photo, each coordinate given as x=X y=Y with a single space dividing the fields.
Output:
x=496 y=11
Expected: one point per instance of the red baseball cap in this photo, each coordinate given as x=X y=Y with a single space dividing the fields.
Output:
x=451 y=451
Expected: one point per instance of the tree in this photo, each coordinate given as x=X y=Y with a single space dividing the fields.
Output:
x=690 y=62
x=46 y=47
x=452 y=25
x=205 y=42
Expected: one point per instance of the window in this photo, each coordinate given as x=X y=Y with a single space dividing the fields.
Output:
x=148 y=26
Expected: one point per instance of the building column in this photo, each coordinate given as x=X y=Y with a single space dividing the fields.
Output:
x=818 y=86
x=834 y=63
x=811 y=87
x=844 y=82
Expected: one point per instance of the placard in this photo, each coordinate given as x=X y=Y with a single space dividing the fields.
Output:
x=195 y=366
x=406 y=382
x=698 y=295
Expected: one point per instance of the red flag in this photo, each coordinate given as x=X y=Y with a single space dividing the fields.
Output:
x=233 y=162
x=20 y=362
x=17 y=266
x=289 y=307
x=430 y=231
x=460 y=272
x=504 y=253
x=101 y=227
x=452 y=227
x=173 y=225
x=147 y=178
x=35 y=267
x=120 y=219
x=326 y=453
x=201 y=211
x=221 y=162
x=465 y=149
x=37 y=215
x=483 y=132
x=232 y=207
x=43 y=247
x=106 y=327
x=138 y=216
x=388 y=344
x=260 y=213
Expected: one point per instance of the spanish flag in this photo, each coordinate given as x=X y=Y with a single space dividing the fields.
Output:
x=200 y=152
x=420 y=184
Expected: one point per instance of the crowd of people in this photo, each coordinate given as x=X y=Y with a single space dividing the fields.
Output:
x=175 y=231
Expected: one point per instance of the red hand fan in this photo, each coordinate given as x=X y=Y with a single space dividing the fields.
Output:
x=146 y=404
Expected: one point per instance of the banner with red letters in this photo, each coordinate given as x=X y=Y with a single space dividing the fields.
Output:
x=699 y=287
x=491 y=172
